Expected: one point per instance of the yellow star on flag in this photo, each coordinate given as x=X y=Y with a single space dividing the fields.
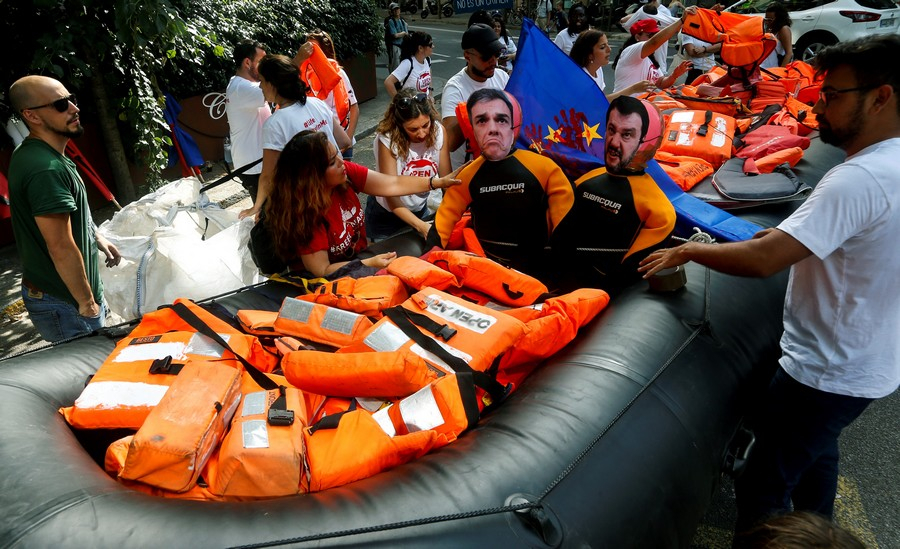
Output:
x=553 y=136
x=590 y=132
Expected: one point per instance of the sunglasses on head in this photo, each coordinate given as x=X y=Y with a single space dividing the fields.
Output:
x=405 y=103
x=61 y=104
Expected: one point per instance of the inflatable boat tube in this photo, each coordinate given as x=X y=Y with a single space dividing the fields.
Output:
x=617 y=441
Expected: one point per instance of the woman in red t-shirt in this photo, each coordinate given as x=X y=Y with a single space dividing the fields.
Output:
x=314 y=213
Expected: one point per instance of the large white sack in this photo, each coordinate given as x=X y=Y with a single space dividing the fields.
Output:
x=174 y=243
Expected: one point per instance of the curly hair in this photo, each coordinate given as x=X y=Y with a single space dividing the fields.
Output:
x=283 y=74
x=407 y=105
x=300 y=196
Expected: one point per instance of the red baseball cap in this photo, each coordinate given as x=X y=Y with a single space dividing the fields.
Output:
x=644 y=25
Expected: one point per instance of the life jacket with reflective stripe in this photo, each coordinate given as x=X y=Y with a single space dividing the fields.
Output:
x=180 y=434
x=320 y=323
x=701 y=134
x=139 y=371
x=264 y=452
x=430 y=335
x=367 y=296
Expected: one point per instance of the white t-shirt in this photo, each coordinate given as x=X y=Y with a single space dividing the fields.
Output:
x=509 y=48
x=662 y=19
x=842 y=308
x=703 y=63
x=457 y=90
x=565 y=40
x=421 y=161
x=631 y=69
x=419 y=78
x=601 y=83
x=247 y=110
x=285 y=123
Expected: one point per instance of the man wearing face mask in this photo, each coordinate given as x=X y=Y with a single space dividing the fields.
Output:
x=51 y=219
x=620 y=215
x=516 y=197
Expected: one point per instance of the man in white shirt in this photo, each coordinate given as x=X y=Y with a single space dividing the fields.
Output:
x=481 y=49
x=246 y=109
x=840 y=348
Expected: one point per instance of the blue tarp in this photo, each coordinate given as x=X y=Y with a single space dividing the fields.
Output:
x=188 y=146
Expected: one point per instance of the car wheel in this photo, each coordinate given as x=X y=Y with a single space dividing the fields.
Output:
x=809 y=47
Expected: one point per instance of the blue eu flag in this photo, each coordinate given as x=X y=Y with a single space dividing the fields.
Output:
x=564 y=118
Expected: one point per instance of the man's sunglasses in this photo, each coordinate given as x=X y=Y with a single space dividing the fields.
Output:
x=61 y=104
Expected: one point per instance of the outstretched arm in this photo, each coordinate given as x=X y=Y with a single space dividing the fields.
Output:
x=768 y=252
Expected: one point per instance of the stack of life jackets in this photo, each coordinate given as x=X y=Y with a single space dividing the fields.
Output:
x=411 y=376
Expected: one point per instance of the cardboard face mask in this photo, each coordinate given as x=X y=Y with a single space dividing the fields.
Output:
x=626 y=151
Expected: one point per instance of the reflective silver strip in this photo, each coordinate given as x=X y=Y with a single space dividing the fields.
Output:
x=294 y=309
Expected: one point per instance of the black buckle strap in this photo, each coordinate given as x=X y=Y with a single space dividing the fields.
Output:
x=197 y=323
x=443 y=331
x=278 y=412
x=164 y=366
x=406 y=321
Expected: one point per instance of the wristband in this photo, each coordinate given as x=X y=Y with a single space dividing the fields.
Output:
x=431 y=183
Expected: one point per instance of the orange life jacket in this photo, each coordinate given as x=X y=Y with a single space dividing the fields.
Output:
x=685 y=171
x=176 y=440
x=745 y=44
x=548 y=328
x=702 y=134
x=322 y=76
x=320 y=323
x=367 y=295
x=443 y=333
x=264 y=453
x=789 y=156
x=139 y=371
x=456 y=270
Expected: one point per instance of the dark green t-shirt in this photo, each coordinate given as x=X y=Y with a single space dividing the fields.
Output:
x=42 y=181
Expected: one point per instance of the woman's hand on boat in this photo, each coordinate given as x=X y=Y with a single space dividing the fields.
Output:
x=380 y=261
x=665 y=258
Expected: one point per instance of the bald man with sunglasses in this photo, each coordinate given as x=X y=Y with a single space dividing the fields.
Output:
x=55 y=235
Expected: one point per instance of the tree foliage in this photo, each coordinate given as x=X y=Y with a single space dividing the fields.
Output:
x=132 y=51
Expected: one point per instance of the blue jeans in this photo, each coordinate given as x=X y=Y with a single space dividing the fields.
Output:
x=796 y=454
x=56 y=319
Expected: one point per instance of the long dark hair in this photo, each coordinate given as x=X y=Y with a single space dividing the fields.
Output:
x=782 y=17
x=300 y=196
x=584 y=46
x=407 y=105
x=410 y=45
x=283 y=74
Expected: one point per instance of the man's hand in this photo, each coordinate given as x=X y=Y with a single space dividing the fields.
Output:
x=303 y=53
x=665 y=258
x=90 y=309
x=109 y=250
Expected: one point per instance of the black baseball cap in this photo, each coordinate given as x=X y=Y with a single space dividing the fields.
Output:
x=482 y=38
